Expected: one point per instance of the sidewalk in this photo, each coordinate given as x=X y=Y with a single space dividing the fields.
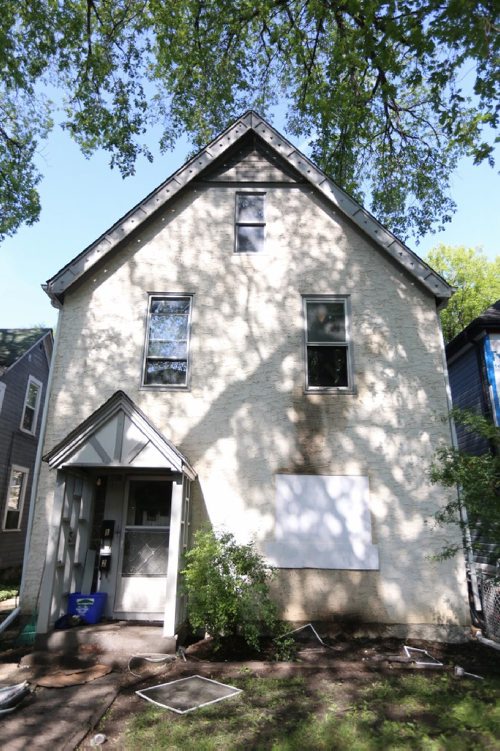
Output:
x=60 y=718
x=57 y=718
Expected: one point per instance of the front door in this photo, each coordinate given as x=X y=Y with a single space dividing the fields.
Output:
x=142 y=572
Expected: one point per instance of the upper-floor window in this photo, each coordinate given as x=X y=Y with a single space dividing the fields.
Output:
x=250 y=224
x=327 y=343
x=167 y=344
x=31 y=405
x=15 y=498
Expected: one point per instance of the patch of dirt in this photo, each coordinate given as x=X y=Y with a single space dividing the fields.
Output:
x=348 y=664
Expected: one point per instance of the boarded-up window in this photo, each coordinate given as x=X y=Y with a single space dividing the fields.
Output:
x=323 y=521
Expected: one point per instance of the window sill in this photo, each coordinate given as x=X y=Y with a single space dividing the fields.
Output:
x=330 y=392
x=148 y=387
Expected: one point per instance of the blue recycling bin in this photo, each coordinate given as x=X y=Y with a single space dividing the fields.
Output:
x=90 y=608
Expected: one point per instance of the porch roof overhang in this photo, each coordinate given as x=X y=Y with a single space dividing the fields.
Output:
x=118 y=435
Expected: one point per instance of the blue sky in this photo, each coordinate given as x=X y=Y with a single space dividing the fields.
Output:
x=81 y=198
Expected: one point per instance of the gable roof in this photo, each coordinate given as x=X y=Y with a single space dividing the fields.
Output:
x=252 y=123
x=118 y=434
x=15 y=343
x=487 y=321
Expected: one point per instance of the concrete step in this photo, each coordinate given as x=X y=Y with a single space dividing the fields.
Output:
x=111 y=643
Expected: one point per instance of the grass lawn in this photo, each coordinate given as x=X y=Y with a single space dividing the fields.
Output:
x=412 y=710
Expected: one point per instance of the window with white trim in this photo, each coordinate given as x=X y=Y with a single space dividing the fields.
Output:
x=250 y=224
x=166 y=362
x=31 y=405
x=327 y=344
x=15 y=498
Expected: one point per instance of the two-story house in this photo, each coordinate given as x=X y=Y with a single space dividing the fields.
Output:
x=249 y=347
x=24 y=369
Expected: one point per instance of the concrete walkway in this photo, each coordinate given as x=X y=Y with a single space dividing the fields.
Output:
x=60 y=718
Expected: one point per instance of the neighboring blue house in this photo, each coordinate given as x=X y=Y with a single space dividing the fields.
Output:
x=473 y=358
x=474 y=370
x=24 y=370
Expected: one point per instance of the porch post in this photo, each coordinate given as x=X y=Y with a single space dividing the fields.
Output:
x=174 y=549
x=46 y=596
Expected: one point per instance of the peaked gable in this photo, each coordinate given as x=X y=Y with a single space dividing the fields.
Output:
x=209 y=157
x=118 y=434
x=15 y=343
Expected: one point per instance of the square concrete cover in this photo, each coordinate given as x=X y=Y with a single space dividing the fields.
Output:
x=186 y=694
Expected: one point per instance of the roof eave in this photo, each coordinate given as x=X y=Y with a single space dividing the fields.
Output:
x=57 y=285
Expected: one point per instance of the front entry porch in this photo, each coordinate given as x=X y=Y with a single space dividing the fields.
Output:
x=120 y=519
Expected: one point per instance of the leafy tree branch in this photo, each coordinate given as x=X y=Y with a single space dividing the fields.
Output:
x=376 y=87
x=476 y=281
x=478 y=480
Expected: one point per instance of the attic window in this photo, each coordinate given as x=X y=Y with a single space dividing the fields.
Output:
x=167 y=344
x=249 y=224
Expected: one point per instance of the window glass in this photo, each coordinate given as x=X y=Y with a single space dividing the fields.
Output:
x=149 y=503
x=250 y=222
x=165 y=372
x=249 y=239
x=327 y=367
x=167 y=342
x=327 y=344
x=15 y=498
x=326 y=322
x=31 y=404
x=250 y=208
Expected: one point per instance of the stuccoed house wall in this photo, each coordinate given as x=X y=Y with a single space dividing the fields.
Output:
x=246 y=424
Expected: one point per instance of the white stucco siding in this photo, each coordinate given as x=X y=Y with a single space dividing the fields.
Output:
x=246 y=417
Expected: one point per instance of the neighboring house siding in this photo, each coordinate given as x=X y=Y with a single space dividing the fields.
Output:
x=245 y=418
x=474 y=369
x=466 y=382
x=18 y=447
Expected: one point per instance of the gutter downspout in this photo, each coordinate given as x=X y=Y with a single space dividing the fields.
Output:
x=454 y=442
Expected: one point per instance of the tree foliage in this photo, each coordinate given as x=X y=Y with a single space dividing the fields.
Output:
x=228 y=588
x=477 y=477
x=378 y=88
x=476 y=279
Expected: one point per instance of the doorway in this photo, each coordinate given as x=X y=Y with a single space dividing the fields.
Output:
x=141 y=586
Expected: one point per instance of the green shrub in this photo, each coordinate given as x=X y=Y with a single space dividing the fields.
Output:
x=228 y=588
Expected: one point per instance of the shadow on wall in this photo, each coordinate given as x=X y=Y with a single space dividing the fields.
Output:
x=246 y=417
